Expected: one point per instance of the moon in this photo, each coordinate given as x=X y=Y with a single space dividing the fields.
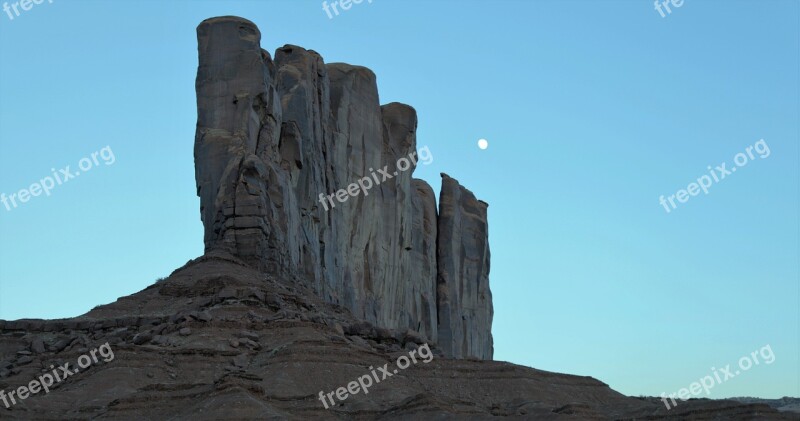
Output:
x=483 y=143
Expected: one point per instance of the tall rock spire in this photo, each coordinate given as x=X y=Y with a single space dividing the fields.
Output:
x=274 y=135
x=464 y=299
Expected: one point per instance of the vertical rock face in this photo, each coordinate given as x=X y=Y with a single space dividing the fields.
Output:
x=357 y=146
x=423 y=259
x=237 y=136
x=465 y=308
x=302 y=84
x=272 y=136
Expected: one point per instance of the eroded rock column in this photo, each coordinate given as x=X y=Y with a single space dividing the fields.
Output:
x=464 y=300
x=274 y=135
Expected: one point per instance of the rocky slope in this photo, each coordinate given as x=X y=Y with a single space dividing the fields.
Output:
x=784 y=404
x=218 y=340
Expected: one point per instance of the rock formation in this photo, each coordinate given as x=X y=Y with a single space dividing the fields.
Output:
x=274 y=135
x=291 y=300
x=463 y=254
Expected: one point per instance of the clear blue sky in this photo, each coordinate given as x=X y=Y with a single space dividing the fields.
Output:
x=592 y=109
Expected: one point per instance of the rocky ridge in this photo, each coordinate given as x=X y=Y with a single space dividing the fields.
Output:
x=218 y=340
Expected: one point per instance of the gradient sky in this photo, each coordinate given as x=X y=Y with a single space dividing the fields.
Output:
x=592 y=110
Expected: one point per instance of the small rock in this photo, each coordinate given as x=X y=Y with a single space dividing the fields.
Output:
x=84 y=324
x=359 y=341
x=274 y=301
x=151 y=321
x=61 y=344
x=36 y=325
x=383 y=334
x=250 y=344
x=363 y=329
x=240 y=361
x=255 y=293
x=203 y=316
x=142 y=338
x=234 y=343
x=24 y=360
x=410 y=345
x=255 y=317
x=176 y=318
x=249 y=335
x=338 y=328
x=185 y=331
x=37 y=345
x=118 y=333
x=150 y=375
x=413 y=336
x=4 y=373
x=227 y=292
x=23 y=353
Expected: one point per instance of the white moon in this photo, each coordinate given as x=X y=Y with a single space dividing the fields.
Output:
x=483 y=143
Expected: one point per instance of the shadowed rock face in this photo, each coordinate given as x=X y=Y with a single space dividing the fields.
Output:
x=274 y=135
x=244 y=200
x=463 y=253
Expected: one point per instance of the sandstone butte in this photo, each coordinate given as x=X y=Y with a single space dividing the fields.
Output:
x=290 y=299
